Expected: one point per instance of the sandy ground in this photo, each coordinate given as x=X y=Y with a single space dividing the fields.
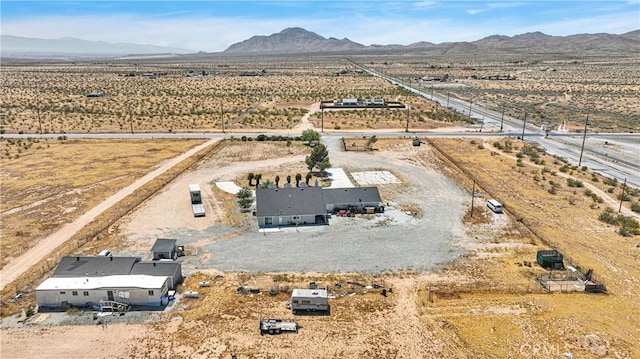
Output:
x=89 y=341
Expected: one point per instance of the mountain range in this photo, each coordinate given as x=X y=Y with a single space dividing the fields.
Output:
x=15 y=46
x=297 y=40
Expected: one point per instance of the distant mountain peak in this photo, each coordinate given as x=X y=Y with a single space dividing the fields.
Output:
x=292 y=40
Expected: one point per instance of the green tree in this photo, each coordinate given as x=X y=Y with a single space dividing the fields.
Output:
x=307 y=178
x=298 y=179
x=277 y=180
x=250 y=177
x=258 y=177
x=244 y=198
x=310 y=135
x=319 y=157
x=289 y=179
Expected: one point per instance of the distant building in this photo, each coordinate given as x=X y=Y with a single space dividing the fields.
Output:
x=95 y=94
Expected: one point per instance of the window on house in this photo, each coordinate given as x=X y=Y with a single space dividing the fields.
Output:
x=63 y=293
x=86 y=294
x=150 y=292
x=74 y=292
x=296 y=218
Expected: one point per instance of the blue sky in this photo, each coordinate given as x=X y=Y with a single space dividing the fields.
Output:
x=215 y=25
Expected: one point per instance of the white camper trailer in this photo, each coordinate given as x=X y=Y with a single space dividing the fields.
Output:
x=309 y=300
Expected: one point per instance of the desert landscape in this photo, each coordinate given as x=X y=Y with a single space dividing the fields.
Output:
x=437 y=274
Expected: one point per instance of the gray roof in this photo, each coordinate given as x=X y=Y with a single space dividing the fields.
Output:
x=353 y=195
x=157 y=268
x=94 y=266
x=289 y=201
x=164 y=245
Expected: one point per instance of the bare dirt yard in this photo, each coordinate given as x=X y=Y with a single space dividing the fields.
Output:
x=484 y=304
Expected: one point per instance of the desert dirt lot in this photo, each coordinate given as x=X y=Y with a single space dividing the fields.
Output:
x=486 y=304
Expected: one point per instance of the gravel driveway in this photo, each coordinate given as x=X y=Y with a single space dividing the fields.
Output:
x=390 y=241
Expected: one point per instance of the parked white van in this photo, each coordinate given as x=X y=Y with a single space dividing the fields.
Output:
x=494 y=205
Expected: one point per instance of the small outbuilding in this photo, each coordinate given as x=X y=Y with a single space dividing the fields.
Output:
x=551 y=259
x=165 y=248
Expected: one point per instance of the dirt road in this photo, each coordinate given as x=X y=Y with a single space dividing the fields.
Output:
x=21 y=264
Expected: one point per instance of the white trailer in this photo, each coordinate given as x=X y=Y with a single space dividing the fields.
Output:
x=277 y=326
x=196 y=200
x=309 y=300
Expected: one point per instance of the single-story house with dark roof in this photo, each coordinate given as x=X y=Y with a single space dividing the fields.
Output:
x=173 y=270
x=290 y=206
x=355 y=197
x=310 y=205
x=94 y=266
x=165 y=249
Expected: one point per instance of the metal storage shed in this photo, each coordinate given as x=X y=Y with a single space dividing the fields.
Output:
x=165 y=249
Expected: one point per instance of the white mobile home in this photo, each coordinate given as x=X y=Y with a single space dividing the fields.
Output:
x=142 y=290
x=309 y=300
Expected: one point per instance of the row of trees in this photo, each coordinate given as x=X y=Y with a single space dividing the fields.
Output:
x=258 y=177
x=319 y=158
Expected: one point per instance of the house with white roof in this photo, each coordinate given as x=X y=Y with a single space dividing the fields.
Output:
x=140 y=290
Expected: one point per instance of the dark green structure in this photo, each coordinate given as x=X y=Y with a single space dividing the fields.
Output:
x=551 y=259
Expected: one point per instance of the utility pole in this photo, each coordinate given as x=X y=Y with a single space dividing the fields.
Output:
x=502 y=119
x=448 y=93
x=38 y=112
x=524 y=124
x=584 y=138
x=473 y=196
x=624 y=186
x=470 y=103
x=222 y=116
x=431 y=92
x=321 y=118
x=482 y=124
x=130 y=117
x=406 y=129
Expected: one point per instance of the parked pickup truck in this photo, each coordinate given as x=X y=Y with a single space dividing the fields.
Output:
x=277 y=326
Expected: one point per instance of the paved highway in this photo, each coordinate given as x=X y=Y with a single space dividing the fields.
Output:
x=615 y=155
